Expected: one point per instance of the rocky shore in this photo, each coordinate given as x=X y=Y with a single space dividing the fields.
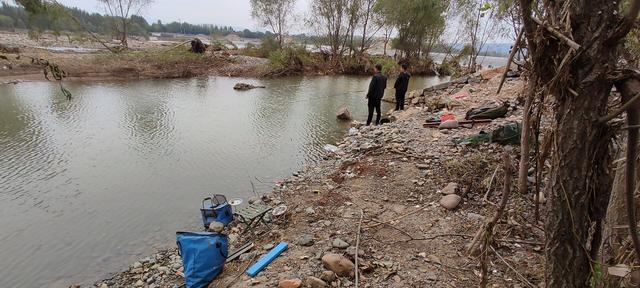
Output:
x=382 y=195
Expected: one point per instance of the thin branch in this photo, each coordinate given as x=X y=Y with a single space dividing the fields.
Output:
x=620 y=110
x=486 y=195
x=514 y=49
x=357 y=245
x=513 y=269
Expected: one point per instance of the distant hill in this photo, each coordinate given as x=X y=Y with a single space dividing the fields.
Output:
x=499 y=48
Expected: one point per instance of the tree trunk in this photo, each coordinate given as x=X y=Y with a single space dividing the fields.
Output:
x=616 y=213
x=385 y=47
x=124 y=41
x=580 y=178
x=525 y=138
x=364 y=27
x=579 y=185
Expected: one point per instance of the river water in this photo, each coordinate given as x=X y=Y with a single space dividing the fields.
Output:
x=88 y=186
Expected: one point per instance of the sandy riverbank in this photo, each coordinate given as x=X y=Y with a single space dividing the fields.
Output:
x=394 y=175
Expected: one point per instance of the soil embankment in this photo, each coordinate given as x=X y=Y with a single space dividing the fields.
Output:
x=146 y=59
x=391 y=178
x=130 y=65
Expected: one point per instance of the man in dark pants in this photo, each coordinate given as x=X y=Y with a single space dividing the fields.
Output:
x=375 y=94
x=401 y=86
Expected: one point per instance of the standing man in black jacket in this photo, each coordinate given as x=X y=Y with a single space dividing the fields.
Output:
x=375 y=94
x=401 y=86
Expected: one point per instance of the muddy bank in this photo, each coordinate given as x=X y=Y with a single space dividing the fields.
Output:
x=393 y=177
x=146 y=64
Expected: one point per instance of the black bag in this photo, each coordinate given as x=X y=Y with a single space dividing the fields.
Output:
x=488 y=112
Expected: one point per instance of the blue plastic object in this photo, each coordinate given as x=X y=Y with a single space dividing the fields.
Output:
x=203 y=256
x=267 y=259
x=218 y=209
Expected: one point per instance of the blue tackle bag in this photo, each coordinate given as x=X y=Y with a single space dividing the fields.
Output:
x=203 y=256
x=216 y=208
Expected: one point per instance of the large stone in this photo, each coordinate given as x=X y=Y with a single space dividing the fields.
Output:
x=339 y=264
x=450 y=201
x=328 y=276
x=344 y=114
x=313 y=282
x=290 y=283
x=245 y=86
x=340 y=244
x=389 y=97
x=461 y=80
x=451 y=188
x=305 y=240
x=438 y=87
x=490 y=73
x=413 y=94
x=216 y=226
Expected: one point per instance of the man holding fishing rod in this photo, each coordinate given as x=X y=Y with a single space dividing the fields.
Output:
x=375 y=94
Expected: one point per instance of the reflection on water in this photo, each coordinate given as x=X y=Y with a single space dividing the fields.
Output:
x=89 y=185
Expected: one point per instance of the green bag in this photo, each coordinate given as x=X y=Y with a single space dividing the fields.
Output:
x=504 y=135
x=507 y=135
x=474 y=140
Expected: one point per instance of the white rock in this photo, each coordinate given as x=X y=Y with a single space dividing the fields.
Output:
x=449 y=124
x=450 y=201
x=451 y=188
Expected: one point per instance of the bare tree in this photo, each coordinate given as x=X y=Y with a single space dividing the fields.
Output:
x=385 y=26
x=330 y=18
x=274 y=14
x=354 y=8
x=122 y=10
x=372 y=23
x=479 y=23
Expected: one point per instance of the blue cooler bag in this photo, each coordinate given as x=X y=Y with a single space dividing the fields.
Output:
x=203 y=256
x=216 y=208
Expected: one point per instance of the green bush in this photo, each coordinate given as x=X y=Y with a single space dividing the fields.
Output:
x=450 y=67
x=6 y=21
x=264 y=50
x=34 y=34
x=389 y=66
x=289 y=60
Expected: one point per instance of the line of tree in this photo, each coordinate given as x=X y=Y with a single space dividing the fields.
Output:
x=352 y=27
x=16 y=17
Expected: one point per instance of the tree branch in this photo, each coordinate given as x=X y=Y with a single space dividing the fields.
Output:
x=514 y=49
x=557 y=33
x=620 y=110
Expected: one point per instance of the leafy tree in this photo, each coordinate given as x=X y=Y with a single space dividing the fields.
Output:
x=418 y=22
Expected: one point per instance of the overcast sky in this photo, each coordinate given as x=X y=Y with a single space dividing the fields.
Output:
x=236 y=13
